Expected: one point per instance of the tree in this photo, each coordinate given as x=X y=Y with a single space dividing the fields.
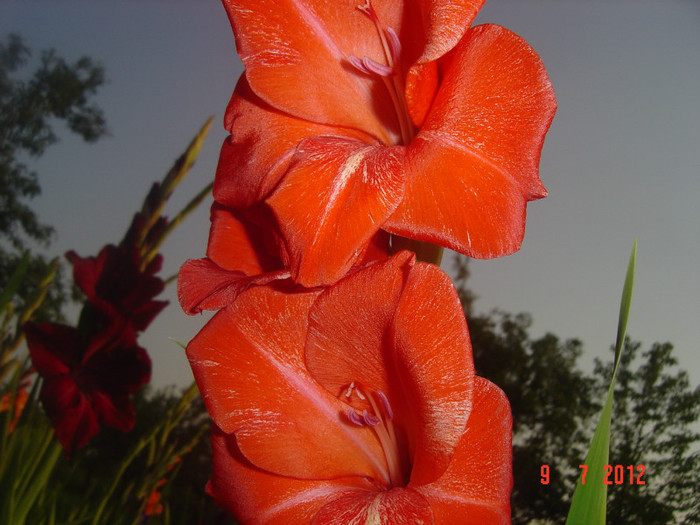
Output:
x=29 y=107
x=653 y=414
x=555 y=409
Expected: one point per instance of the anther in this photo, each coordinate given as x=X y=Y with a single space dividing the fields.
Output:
x=394 y=44
x=367 y=9
x=388 y=412
x=357 y=63
x=355 y=418
x=370 y=419
x=348 y=392
x=377 y=68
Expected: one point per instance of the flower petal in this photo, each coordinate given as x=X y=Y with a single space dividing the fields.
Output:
x=239 y=254
x=435 y=368
x=476 y=486
x=238 y=243
x=257 y=497
x=114 y=410
x=71 y=413
x=422 y=83
x=399 y=328
x=474 y=165
x=248 y=363
x=445 y=22
x=334 y=198
x=398 y=506
x=348 y=327
x=262 y=141
x=53 y=347
x=296 y=54
x=113 y=280
x=204 y=285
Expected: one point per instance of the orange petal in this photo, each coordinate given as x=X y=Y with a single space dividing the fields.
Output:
x=399 y=328
x=237 y=243
x=248 y=363
x=421 y=86
x=398 y=506
x=349 y=324
x=435 y=368
x=474 y=165
x=204 y=285
x=476 y=486
x=378 y=248
x=445 y=22
x=262 y=142
x=258 y=497
x=333 y=199
x=296 y=57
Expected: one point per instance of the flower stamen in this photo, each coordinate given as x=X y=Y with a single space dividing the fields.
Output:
x=380 y=420
x=391 y=46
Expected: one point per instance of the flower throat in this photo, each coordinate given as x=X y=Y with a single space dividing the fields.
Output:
x=380 y=420
x=390 y=73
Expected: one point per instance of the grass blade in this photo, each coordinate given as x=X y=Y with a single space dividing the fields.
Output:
x=588 y=503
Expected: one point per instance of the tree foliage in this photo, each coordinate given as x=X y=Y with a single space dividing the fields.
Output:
x=555 y=408
x=653 y=418
x=30 y=106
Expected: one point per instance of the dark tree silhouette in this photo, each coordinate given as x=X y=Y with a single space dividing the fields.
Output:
x=653 y=417
x=555 y=409
x=30 y=105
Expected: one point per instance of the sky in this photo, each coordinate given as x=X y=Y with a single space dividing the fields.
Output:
x=621 y=160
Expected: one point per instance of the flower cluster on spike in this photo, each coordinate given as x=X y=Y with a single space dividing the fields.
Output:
x=338 y=370
x=90 y=371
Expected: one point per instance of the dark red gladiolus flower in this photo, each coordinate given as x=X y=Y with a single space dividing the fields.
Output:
x=353 y=117
x=355 y=404
x=87 y=380
x=112 y=281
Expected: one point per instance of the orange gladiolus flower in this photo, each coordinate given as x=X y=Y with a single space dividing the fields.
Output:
x=393 y=115
x=244 y=250
x=357 y=403
x=153 y=504
x=15 y=402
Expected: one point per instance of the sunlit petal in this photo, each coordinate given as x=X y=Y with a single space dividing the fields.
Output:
x=248 y=363
x=334 y=198
x=476 y=486
x=474 y=164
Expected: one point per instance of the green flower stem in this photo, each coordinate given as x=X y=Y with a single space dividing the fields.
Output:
x=425 y=251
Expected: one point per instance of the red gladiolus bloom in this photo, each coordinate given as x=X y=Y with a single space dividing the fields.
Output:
x=113 y=281
x=355 y=404
x=86 y=382
x=244 y=250
x=390 y=115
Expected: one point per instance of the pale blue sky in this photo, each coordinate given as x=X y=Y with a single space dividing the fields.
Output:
x=622 y=159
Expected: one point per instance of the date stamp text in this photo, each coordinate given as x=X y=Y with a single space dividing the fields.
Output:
x=613 y=474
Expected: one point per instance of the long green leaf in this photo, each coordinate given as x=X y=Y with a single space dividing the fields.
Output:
x=588 y=503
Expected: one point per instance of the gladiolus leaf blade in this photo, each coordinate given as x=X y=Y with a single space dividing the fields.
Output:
x=589 y=500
